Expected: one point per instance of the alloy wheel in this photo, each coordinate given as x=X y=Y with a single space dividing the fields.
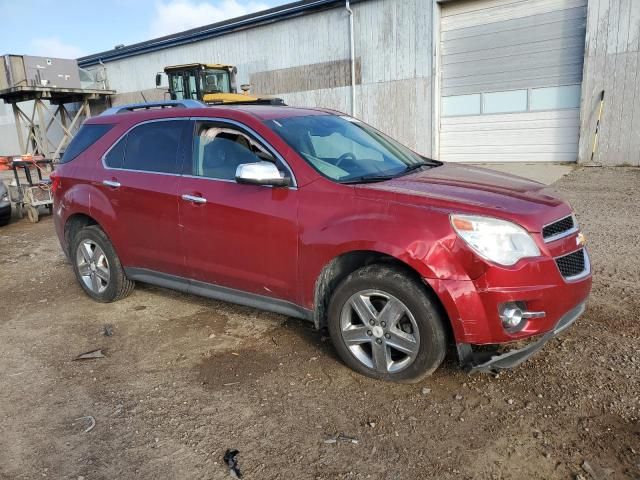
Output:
x=380 y=331
x=93 y=266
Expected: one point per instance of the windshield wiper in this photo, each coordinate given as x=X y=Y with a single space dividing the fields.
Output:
x=368 y=179
x=382 y=178
x=416 y=166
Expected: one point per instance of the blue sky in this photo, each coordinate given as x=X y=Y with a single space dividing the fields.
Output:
x=70 y=29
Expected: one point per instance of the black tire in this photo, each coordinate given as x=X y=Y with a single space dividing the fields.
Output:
x=118 y=285
x=431 y=348
x=5 y=218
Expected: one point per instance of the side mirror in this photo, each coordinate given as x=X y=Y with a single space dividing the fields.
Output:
x=261 y=173
x=158 y=79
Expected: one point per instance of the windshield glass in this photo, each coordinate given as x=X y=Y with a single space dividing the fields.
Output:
x=345 y=149
x=215 y=81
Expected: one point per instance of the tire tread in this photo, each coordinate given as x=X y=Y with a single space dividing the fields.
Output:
x=123 y=286
x=396 y=278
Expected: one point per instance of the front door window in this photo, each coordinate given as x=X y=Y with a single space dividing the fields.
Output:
x=218 y=151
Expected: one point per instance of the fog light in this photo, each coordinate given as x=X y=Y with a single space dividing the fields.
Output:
x=514 y=315
x=511 y=316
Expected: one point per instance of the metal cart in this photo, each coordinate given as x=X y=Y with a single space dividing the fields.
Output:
x=27 y=194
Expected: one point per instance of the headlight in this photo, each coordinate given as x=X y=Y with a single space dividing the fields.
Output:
x=5 y=197
x=496 y=240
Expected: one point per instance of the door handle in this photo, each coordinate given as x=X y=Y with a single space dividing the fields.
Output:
x=194 y=199
x=111 y=183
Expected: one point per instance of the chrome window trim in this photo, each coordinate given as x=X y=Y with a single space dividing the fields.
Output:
x=267 y=145
x=560 y=235
x=581 y=275
x=153 y=120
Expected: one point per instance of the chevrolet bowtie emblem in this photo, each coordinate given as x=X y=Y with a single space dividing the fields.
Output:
x=580 y=239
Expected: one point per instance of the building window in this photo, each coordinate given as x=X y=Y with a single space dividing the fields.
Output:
x=504 y=102
x=512 y=101
x=461 y=105
x=552 y=98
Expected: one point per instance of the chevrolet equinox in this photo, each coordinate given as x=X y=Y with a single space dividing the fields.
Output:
x=317 y=215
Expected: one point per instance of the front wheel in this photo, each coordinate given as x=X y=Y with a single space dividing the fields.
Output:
x=385 y=325
x=97 y=267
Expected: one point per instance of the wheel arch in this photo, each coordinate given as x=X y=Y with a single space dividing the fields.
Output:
x=341 y=266
x=74 y=224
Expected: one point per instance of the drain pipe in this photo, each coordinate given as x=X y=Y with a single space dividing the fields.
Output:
x=352 y=57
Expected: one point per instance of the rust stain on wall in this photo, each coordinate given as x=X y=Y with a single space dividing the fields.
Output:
x=313 y=76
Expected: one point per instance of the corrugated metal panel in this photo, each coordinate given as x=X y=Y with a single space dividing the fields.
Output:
x=612 y=64
x=532 y=137
x=541 y=41
x=393 y=44
x=210 y=31
x=505 y=45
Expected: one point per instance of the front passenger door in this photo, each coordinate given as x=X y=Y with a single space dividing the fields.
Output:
x=239 y=236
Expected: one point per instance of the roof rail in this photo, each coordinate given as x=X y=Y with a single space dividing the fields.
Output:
x=132 y=107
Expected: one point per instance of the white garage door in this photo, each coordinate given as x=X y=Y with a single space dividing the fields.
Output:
x=510 y=74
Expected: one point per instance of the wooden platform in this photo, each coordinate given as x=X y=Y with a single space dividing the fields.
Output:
x=54 y=95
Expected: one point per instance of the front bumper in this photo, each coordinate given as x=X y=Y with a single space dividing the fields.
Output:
x=473 y=306
x=477 y=361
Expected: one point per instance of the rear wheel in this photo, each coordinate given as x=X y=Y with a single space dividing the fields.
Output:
x=384 y=325
x=97 y=267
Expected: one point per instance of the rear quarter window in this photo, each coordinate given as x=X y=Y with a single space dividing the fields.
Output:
x=115 y=157
x=86 y=136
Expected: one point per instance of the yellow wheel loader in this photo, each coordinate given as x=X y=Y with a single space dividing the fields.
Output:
x=211 y=83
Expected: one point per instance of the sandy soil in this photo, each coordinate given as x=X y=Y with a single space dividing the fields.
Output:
x=185 y=378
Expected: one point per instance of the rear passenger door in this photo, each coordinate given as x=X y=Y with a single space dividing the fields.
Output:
x=237 y=235
x=141 y=181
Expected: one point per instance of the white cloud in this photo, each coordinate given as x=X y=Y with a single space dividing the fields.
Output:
x=54 y=47
x=177 y=15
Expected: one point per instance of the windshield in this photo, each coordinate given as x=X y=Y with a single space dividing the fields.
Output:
x=347 y=150
x=215 y=81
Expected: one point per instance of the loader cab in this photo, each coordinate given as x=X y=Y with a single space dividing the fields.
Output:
x=205 y=82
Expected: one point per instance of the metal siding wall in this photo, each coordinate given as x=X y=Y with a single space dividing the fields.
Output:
x=612 y=63
x=393 y=44
x=500 y=45
x=308 y=39
x=8 y=136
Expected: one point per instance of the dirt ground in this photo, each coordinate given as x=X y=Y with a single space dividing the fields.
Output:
x=185 y=378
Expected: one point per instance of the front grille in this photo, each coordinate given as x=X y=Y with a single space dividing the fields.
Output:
x=556 y=228
x=572 y=264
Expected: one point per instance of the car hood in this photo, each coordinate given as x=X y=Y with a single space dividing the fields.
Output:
x=475 y=190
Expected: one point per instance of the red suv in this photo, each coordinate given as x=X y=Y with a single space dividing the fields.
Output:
x=316 y=215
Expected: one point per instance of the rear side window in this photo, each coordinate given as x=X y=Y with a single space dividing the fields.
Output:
x=115 y=157
x=153 y=147
x=86 y=136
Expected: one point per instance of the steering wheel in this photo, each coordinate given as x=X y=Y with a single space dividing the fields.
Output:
x=345 y=156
